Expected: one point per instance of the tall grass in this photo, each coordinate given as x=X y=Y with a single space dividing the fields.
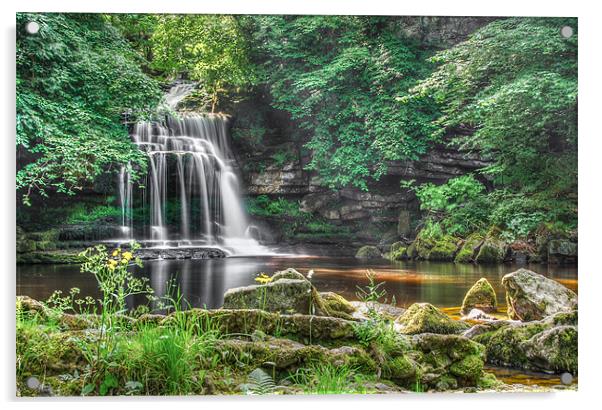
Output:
x=326 y=378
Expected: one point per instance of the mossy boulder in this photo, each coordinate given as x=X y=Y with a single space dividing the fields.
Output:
x=449 y=360
x=554 y=349
x=426 y=318
x=301 y=327
x=548 y=345
x=469 y=249
x=480 y=296
x=368 y=252
x=289 y=273
x=442 y=248
x=401 y=367
x=285 y=354
x=398 y=252
x=336 y=304
x=531 y=296
x=492 y=250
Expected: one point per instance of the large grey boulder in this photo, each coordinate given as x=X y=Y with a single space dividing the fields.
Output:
x=531 y=296
x=283 y=295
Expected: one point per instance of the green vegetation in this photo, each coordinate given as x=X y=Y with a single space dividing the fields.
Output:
x=341 y=79
x=75 y=80
x=262 y=205
x=208 y=48
x=509 y=93
x=353 y=90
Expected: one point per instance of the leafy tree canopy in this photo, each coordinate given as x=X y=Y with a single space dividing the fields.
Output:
x=342 y=79
x=510 y=93
x=75 y=79
x=209 y=48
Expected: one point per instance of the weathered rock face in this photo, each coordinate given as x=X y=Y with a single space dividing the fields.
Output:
x=362 y=310
x=491 y=251
x=531 y=296
x=440 y=31
x=548 y=345
x=481 y=296
x=426 y=318
x=562 y=251
x=470 y=249
x=368 y=252
x=284 y=296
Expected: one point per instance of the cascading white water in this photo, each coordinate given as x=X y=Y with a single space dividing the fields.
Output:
x=190 y=161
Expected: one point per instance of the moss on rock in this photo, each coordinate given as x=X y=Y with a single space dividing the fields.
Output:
x=441 y=248
x=539 y=345
x=480 y=296
x=336 y=305
x=398 y=252
x=426 y=318
x=469 y=249
x=491 y=251
x=368 y=252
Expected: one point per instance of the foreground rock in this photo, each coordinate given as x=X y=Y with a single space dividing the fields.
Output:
x=288 y=291
x=284 y=296
x=531 y=296
x=548 y=345
x=251 y=339
x=480 y=296
x=387 y=311
x=426 y=318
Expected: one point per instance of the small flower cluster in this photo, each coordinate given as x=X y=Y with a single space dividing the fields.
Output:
x=262 y=278
x=119 y=257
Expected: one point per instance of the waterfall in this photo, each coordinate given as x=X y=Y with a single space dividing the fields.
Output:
x=190 y=164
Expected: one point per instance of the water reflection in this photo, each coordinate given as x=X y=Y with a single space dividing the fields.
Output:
x=203 y=282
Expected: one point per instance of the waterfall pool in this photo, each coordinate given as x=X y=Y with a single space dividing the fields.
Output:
x=204 y=281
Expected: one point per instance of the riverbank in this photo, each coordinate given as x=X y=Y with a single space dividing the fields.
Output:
x=282 y=336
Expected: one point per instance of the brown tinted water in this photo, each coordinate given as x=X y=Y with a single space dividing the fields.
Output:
x=203 y=282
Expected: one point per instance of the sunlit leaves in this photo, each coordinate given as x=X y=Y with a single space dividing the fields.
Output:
x=75 y=80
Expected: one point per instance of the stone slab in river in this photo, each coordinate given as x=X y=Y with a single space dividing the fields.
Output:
x=531 y=296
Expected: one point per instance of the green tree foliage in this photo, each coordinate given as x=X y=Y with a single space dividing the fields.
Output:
x=209 y=48
x=75 y=79
x=138 y=30
x=342 y=78
x=510 y=93
x=460 y=205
